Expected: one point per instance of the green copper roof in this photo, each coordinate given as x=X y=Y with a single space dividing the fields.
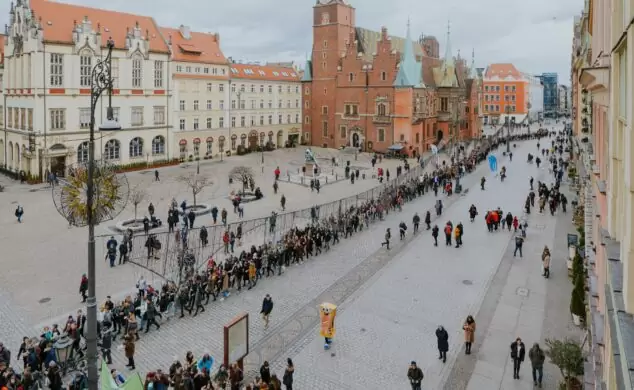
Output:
x=308 y=73
x=409 y=71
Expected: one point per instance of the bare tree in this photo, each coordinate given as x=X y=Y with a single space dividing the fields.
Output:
x=196 y=184
x=242 y=175
x=137 y=196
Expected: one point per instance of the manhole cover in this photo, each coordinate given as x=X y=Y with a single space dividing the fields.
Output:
x=522 y=292
x=467 y=282
x=362 y=329
x=44 y=300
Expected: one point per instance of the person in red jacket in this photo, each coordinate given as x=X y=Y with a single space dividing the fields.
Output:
x=515 y=223
x=277 y=173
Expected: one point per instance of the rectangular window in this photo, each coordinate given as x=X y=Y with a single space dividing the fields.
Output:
x=196 y=124
x=182 y=105
x=270 y=119
x=158 y=74
x=221 y=87
x=233 y=104
x=279 y=89
x=1 y=115
x=261 y=88
x=84 y=118
x=114 y=72
x=279 y=103
x=444 y=104
x=221 y=105
x=253 y=103
x=324 y=110
x=343 y=131
x=209 y=123
x=182 y=124
x=233 y=87
x=307 y=119
x=241 y=104
x=261 y=120
x=270 y=89
x=137 y=72
x=270 y=103
x=209 y=105
x=58 y=119
x=324 y=129
x=196 y=105
x=252 y=88
x=159 y=115
x=221 y=122
x=623 y=85
x=85 y=70
x=296 y=118
x=137 y=116
x=279 y=119
x=288 y=104
x=233 y=121
x=486 y=88
x=209 y=87
x=29 y=115
x=57 y=70
x=261 y=103
x=381 y=135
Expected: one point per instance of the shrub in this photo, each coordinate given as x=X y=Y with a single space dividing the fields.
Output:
x=577 y=301
x=567 y=355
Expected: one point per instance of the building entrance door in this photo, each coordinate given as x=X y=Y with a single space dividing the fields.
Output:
x=58 y=166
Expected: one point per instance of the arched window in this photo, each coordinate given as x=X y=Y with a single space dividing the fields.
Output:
x=137 y=71
x=82 y=153
x=381 y=109
x=112 y=150
x=158 y=145
x=136 y=147
x=85 y=68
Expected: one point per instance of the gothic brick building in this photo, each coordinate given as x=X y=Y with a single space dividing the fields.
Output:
x=374 y=91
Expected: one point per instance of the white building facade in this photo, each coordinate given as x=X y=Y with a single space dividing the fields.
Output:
x=47 y=82
x=535 y=97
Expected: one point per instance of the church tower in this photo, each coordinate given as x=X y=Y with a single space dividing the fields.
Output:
x=333 y=27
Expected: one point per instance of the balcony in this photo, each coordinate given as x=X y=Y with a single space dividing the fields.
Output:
x=382 y=119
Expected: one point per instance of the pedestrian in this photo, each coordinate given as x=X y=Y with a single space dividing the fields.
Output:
x=434 y=234
x=519 y=242
x=442 y=338
x=415 y=376
x=19 y=212
x=388 y=235
x=428 y=219
x=156 y=175
x=83 y=287
x=416 y=221
x=469 y=328
x=402 y=229
x=129 y=347
x=546 y=262
x=287 y=379
x=537 y=357
x=283 y=202
x=448 y=231
x=150 y=315
x=265 y=373
x=267 y=308
x=106 y=344
x=517 y=355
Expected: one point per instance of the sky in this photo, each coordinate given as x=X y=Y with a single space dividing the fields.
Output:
x=534 y=35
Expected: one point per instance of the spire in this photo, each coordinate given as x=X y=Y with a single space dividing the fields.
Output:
x=473 y=73
x=409 y=71
x=308 y=71
x=449 y=61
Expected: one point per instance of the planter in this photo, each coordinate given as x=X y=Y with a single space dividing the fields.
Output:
x=199 y=209
x=136 y=225
x=576 y=320
x=245 y=197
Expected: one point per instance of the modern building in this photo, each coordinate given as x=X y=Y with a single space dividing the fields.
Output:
x=369 y=90
x=200 y=77
x=265 y=106
x=563 y=100
x=603 y=108
x=535 y=97
x=506 y=95
x=551 y=93
x=48 y=64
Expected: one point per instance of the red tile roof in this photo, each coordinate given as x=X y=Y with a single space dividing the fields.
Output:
x=502 y=71
x=200 y=47
x=260 y=72
x=58 y=20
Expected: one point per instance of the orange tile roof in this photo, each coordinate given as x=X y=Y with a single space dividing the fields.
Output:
x=260 y=72
x=201 y=47
x=502 y=71
x=2 y=38
x=58 y=20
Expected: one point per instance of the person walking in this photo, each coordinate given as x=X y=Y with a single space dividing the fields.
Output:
x=19 y=212
x=388 y=235
x=442 y=337
x=415 y=376
x=287 y=379
x=402 y=229
x=83 y=288
x=546 y=262
x=428 y=220
x=106 y=345
x=156 y=175
x=129 y=347
x=537 y=358
x=283 y=202
x=469 y=328
x=518 y=353
x=416 y=221
x=267 y=308
x=519 y=242
x=434 y=234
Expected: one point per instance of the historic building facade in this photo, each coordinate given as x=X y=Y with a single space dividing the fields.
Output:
x=373 y=91
x=50 y=51
x=506 y=95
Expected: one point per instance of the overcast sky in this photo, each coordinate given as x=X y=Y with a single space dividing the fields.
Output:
x=534 y=35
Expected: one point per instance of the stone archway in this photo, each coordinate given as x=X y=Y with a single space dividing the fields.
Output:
x=253 y=140
x=356 y=138
x=439 y=136
x=58 y=154
x=280 y=138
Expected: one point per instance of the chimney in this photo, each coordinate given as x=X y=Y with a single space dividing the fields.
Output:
x=185 y=31
x=217 y=38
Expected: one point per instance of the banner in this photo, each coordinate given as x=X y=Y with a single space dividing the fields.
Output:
x=493 y=163
x=134 y=382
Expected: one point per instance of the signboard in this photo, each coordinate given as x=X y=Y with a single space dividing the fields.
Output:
x=573 y=240
x=236 y=340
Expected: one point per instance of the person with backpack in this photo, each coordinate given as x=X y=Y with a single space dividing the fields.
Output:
x=19 y=212
x=402 y=229
x=388 y=235
x=448 y=230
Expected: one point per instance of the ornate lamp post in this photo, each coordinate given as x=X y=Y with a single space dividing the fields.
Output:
x=65 y=357
x=93 y=193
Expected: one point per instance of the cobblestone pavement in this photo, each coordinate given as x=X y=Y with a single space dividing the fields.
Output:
x=521 y=303
x=391 y=319
x=45 y=258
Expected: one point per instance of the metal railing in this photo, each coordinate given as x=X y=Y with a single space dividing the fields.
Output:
x=165 y=262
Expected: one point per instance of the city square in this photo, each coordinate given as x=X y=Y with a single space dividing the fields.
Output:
x=176 y=216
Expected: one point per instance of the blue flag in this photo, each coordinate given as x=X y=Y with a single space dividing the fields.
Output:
x=493 y=163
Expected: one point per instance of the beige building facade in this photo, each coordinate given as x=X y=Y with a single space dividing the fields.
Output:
x=603 y=106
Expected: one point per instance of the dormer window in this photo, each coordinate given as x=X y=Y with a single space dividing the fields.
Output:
x=325 y=18
x=85 y=68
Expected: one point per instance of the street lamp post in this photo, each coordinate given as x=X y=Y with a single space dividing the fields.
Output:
x=101 y=80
